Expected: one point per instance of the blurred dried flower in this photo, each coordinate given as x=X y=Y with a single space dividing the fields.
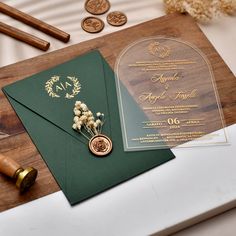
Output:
x=202 y=10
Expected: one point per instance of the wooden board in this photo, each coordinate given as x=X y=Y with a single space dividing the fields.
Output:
x=15 y=142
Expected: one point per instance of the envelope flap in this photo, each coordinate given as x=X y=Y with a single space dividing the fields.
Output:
x=52 y=93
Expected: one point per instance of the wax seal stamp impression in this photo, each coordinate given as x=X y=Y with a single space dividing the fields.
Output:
x=92 y=24
x=97 y=7
x=100 y=145
x=90 y=127
x=116 y=18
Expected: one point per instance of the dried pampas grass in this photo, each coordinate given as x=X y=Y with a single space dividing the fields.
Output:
x=202 y=10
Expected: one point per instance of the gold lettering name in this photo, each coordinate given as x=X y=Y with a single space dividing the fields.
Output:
x=186 y=95
x=149 y=97
x=161 y=78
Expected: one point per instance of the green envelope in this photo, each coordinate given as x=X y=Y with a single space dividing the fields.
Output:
x=48 y=117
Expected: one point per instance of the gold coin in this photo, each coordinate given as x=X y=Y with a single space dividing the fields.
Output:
x=116 y=18
x=97 y=7
x=92 y=24
x=100 y=145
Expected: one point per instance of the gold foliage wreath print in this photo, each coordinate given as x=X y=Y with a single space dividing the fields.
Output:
x=156 y=48
x=55 y=86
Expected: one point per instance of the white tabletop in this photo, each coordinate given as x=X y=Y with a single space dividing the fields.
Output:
x=199 y=180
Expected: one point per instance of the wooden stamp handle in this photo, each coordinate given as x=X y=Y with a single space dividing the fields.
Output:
x=8 y=166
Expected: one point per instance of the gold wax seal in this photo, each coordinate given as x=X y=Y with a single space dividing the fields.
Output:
x=100 y=145
x=116 y=18
x=97 y=7
x=92 y=24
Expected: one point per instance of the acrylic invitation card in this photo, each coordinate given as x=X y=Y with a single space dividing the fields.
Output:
x=172 y=82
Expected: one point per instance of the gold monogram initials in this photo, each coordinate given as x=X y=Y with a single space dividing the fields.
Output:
x=55 y=86
x=63 y=86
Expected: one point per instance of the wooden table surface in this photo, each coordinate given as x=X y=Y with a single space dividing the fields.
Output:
x=15 y=142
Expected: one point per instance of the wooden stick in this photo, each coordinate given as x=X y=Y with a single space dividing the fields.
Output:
x=38 y=24
x=24 y=37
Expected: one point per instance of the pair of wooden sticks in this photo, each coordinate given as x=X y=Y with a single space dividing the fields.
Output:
x=31 y=21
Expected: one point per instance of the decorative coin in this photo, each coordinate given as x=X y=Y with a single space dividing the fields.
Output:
x=92 y=24
x=116 y=18
x=97 y=7
x=100 y=145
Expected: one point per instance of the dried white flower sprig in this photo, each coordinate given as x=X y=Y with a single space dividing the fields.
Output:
x=90 y=127
x=85 y=122
x=202 y=10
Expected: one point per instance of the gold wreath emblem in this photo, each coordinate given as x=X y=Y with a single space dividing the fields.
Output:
x=155 y=48
x=51 y=83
